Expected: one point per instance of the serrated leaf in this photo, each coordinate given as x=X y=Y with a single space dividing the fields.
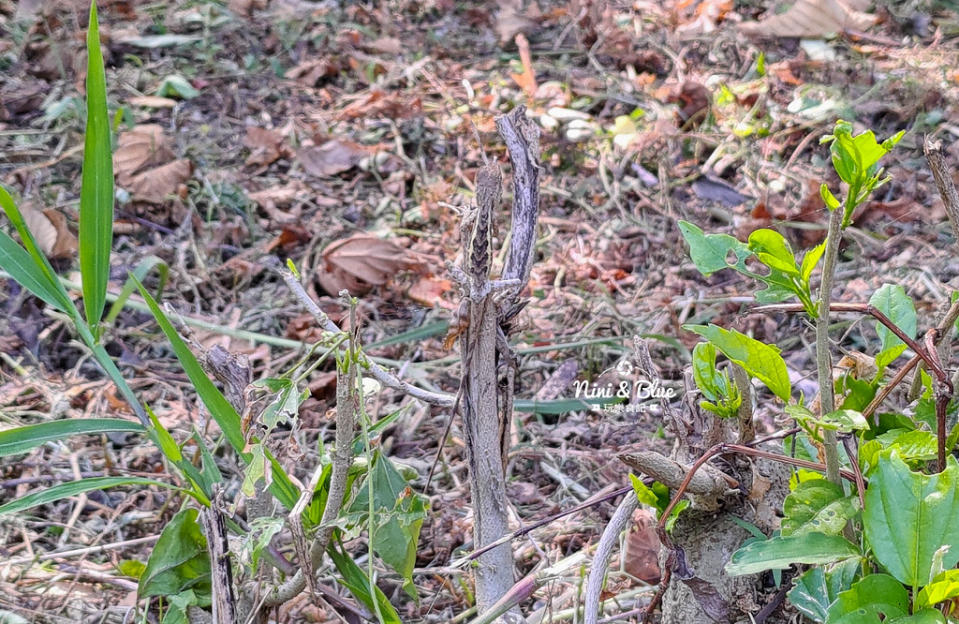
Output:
x=778 y=553
x=760 y=360
x=908 y=516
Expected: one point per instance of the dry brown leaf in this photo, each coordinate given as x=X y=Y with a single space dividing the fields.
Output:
x=310 y=72
x=360 y=262
x=143 y=146
x=49 y=229
x=527 y=79
x=156 y=185
x=332 y=157
x=386 y=45
x=813 y=18
x=266 y=146
x=641 y=558
x=429 y=291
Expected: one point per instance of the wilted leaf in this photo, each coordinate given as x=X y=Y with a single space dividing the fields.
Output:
x=49 y=229
x=143 y=146
x=360 y=262
x=156 y=185
x=266 y=145
x=813 y=18
x=641 y=558
x=332 y=157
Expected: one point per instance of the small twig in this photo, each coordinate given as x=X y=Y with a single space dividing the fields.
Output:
x=849 y=445
x=380 y=374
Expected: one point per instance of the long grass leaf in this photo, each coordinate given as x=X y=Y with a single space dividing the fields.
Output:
x=22 y=439
x=72 y=488
x=96 y=193
x=223 y=413
x=40 y=274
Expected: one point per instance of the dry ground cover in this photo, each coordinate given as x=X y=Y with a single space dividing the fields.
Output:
x=343 y=136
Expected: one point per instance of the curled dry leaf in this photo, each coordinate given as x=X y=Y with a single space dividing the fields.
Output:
x=641 y=558
x=137 y=149
x=158 y=184
x=332 y=157
x=813 y=18
x=266 y=146
x=49 y=229
x=362 y=261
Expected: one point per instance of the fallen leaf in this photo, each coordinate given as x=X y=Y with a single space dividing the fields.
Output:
x=49 y=229
x=331 y=158
x=641 y=556
x=512 y=20
x=386 y=45
x=143 y=146
x=430 y=290
x=266 y=146
x=360 y=262
x=813 y=18
x=310 y=72
x=716 y=189
x=157 y=184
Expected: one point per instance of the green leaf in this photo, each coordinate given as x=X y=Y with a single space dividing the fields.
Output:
x=27 y=264
x=285 y=406
x=72 y=488
x=810 y=260
x=818 y=587
x=398 y=517
x=913 y=445
x=177 y=86
x=816 y=506
x=22 y=439
x=760 y=360
x=828 y=198
x=179 y=560
x=96 y=192
x=781 y=552
x=354 y=579
x=773 y=250
x=871 y=597
x=944 y=587
x=892 y=300
x=645 y=495
x=887 y=356
x=908 y=516
x=178 y=611
x=131 y=568
x=926 y=616
x=223 y=413
x=724 y=397
x=257 y=468
x=709 y=251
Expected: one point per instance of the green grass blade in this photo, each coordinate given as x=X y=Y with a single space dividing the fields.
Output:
x=15 y=260
x=140 y=272
x=22 y=439
x=96 y=193
x=223 y=413
x=37 y=275
x=72 y=488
